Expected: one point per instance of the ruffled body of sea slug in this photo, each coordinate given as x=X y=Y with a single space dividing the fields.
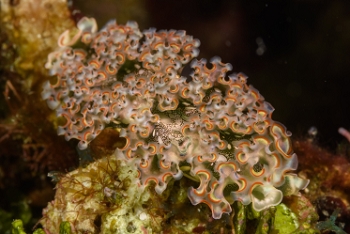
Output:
x=215 y=124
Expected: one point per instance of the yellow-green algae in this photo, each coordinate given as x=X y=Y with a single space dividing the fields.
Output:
x=65 y=228
x=17 y=227
x=285 y=220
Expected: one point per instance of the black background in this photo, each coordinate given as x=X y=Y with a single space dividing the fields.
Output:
x=305 y=69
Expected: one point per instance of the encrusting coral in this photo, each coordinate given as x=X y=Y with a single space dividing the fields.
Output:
x=208 y=126
x=84 y=197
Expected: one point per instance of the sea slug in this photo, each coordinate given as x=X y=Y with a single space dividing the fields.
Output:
x=210 y=122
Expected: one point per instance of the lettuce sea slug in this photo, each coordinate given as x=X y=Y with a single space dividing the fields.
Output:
x=212 y=126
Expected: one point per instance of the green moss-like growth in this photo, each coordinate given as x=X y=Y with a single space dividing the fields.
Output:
x=17 y=227
x=65 y=228
x=39 y=231
x=285 y=220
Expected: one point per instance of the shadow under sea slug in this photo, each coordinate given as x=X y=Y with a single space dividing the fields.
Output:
x=209 y=125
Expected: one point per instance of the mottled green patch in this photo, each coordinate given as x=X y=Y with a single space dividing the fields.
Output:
x=239 y=219
x=17 y=227
x=39 y=231
x=285 y=220
x=65 y=228
x=266 y=220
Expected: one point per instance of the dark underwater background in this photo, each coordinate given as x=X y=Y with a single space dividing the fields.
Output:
x=296 y=53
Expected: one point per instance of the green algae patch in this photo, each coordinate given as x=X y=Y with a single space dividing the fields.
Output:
x=65 y=228
x=17 y=227
x=285 y=220
x=39 y=231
